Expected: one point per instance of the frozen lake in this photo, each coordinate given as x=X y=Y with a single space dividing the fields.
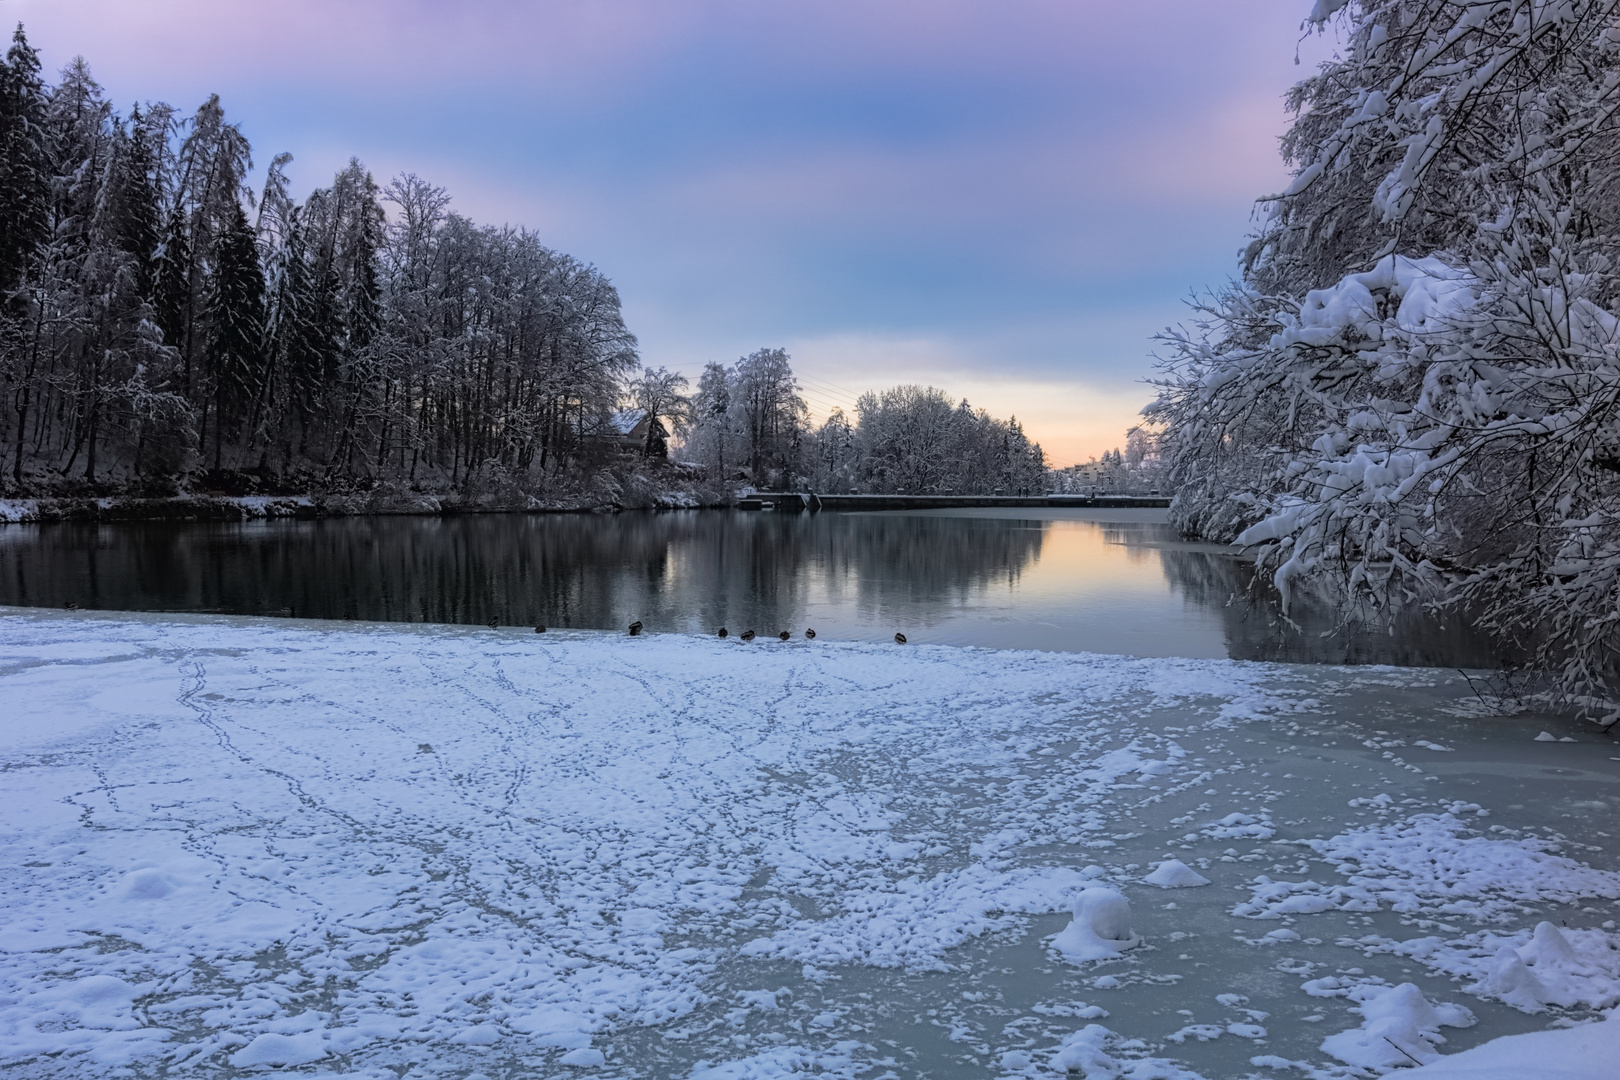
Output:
x=239 y=845
x=1111 y=581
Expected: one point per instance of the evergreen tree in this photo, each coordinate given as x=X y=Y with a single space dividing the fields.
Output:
x=133 y=205
x=235 y=352
x=171 y=288
x=24 y=162
x=301 y=344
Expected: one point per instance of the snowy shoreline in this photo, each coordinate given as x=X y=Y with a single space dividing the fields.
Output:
x=348 y=849
x=230 y=508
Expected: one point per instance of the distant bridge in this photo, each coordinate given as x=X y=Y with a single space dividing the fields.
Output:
x=800 y=500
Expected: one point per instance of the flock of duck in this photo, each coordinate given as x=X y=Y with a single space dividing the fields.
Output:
x=636 y=628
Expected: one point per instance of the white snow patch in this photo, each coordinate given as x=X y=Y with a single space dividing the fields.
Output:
x=271 y=1049
x=1087 y=1052
x=1241 y=826
x=584 y=1057
x=1100 y=930
x=783 y=1061
x=1529 y=970
x=1583 y=1052
x=1401 y=1028
x=1433 y=864
x=1175 y=874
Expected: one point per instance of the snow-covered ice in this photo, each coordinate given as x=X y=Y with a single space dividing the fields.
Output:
x=238 y=847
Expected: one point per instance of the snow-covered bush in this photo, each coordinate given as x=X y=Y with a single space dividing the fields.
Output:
x=1416 y=384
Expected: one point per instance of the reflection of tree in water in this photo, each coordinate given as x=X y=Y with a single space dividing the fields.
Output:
x=905 y=565
x=1325 y=633
x=686 y=570
x=679 y=570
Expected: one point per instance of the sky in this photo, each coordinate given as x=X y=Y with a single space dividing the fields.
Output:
x=1003 y=198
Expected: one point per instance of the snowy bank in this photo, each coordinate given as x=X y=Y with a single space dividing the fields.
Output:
x=1585 y=1052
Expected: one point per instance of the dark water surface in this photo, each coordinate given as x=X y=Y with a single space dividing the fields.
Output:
x=1112 y=581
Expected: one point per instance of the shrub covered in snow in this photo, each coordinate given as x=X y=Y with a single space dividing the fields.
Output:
x=1416 y=384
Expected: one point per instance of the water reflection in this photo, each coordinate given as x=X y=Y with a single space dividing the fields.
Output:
x=1113 y=581
x=1320 y=631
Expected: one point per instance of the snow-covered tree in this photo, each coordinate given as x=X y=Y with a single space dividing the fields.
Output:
x=710 y=439
x=154 y=321
x=24 y=166
x=235 y=351
x=659 y=395
x=832 y=457
x=1416 y=384
x=1136 y=470
x=904 y=441
x=748 y=421
x=912 y=440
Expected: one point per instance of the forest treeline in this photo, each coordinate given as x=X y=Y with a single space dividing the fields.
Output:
x=163 y=321
x=748 y=421
x=166 y=326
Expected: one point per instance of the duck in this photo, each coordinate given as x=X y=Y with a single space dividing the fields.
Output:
x=784 y=635
x=748 y=635
x=899 y=639
x=724 y=632
x=635 y=628
x=71 y=606
x=811 y=634
x=540 y=629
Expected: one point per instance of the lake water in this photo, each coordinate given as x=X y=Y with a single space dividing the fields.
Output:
x=1110 y=581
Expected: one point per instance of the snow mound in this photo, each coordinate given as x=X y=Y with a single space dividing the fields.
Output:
x=583 y=1058
x=1529 y=970
x=1542 y=972
x=1175 y=874
x=272 y=1049
x=1401 y=1028
x=1101 y=928
x=1085 y=1053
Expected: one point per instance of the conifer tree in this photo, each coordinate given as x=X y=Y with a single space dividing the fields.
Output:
x=24 y=162
x=133 y=205
x=235 y=352
x=171 y=287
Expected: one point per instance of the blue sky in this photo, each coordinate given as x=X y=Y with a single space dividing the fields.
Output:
x=1005 y=199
